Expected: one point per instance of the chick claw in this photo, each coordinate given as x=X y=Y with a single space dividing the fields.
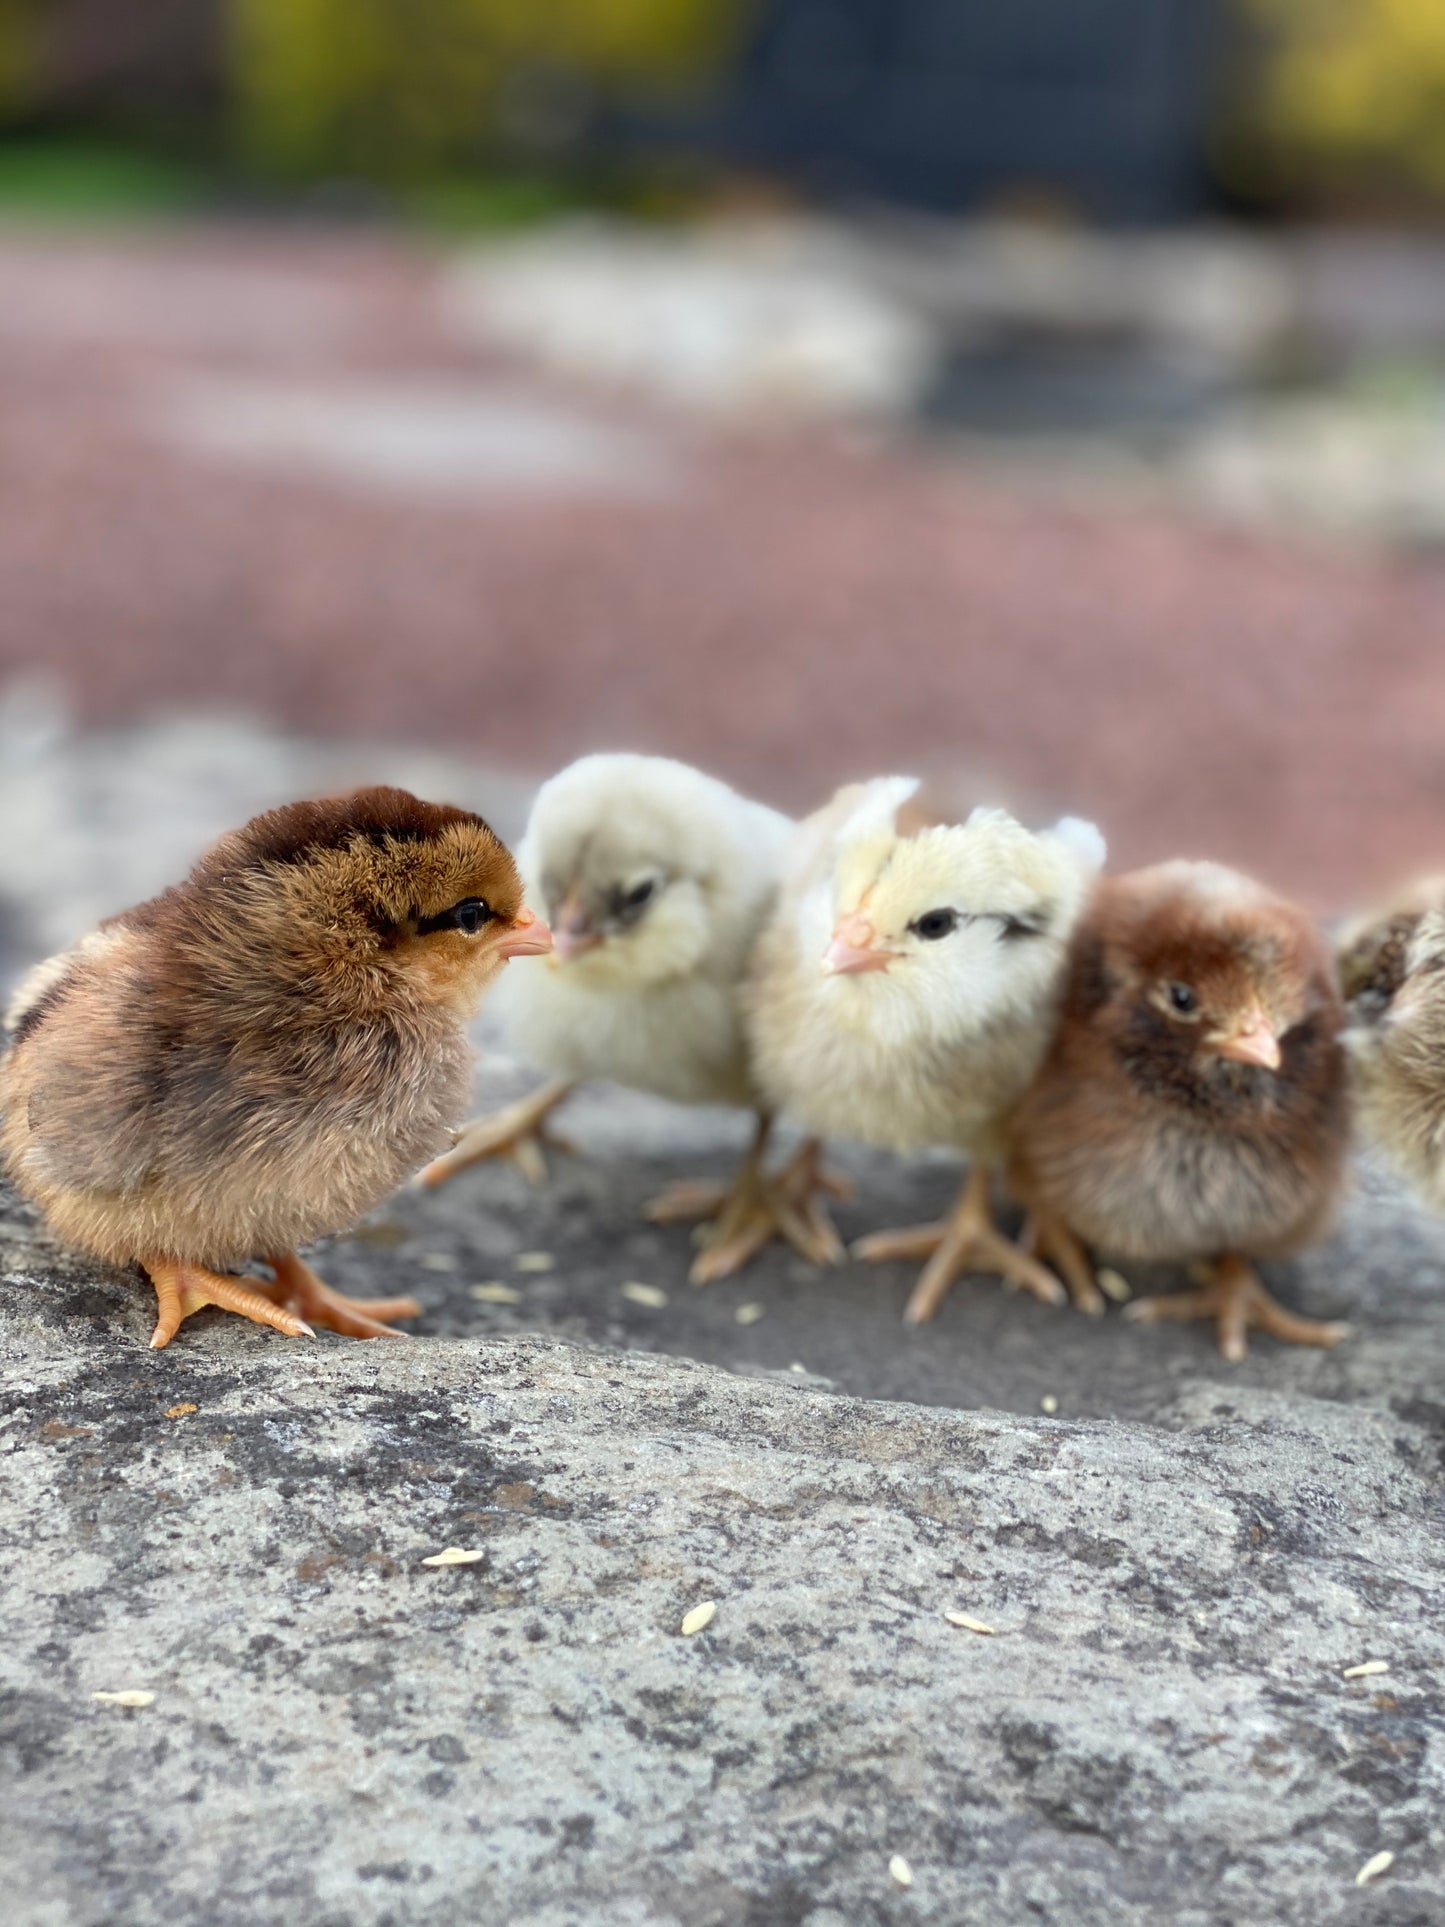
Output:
x=1238 y=1301
x=1051 y=1238
x=966 y=1240
x=298 y=1289
x=183 y=1290
x=518 y=1131
x=755 y=1209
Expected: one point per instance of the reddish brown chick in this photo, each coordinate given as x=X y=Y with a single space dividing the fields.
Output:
x=1193 y=1106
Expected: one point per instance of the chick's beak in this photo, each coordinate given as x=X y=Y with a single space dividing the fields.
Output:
x=572 y=934
x=1253 y=1042
x=525 y=936
x=853 y=949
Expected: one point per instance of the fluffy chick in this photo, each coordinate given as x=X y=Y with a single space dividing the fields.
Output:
x=657 y=879
x=904 y=994
x=1193 y=1106
x=1392 y=970
x=258 y=1056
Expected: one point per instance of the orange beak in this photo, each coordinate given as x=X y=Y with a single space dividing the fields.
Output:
x=525 y=936
x=852 y=949
x=1255 y=1042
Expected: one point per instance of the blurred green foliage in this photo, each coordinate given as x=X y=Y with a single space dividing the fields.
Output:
x=1350 y=94
x=402 y=90
x=52 y=180
x=468 y=112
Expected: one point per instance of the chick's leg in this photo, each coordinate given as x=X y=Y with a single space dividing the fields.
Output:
x=182 y=1290
x=749 y=1213
x=1236 y=1299
x=518 y=1131
x=298 y=1289
x=967 y=1240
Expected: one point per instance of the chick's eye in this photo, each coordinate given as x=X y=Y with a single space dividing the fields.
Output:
x=935 y=924
x=469 y=915
x=639 y=894
x=1182 y=999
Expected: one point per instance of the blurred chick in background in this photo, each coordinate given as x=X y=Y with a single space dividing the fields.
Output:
x=905 y=993
x=657 y=879
x=1193 y=1106
x=1392 y=970
x=258 y=1056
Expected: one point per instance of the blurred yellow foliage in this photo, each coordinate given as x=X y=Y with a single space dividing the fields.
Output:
x=404 y=87
x=18 y=21
x=1357 y=82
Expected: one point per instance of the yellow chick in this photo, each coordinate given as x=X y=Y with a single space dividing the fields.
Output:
x=658 y=878
x=906 y=990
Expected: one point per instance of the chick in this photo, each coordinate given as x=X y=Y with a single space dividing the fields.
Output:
x=258 y=1056
x=1392 y=969
x=1193 y=1107
x=657 y=879
x=905 y=991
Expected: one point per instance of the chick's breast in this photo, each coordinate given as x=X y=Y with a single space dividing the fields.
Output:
x=680 y=1039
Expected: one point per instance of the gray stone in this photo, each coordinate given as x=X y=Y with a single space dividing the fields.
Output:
x=1159 y=1731
x=1180 y=1565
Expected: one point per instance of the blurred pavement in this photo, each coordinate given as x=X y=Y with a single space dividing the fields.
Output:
x=278 y=473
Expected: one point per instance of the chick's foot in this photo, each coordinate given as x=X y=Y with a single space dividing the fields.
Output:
x=518 y=1131
x=297 y=1289
x=183 y=1290
x=1051 y=1238
x=1238 y=1301
x=748 y=1214
x=966 y=1240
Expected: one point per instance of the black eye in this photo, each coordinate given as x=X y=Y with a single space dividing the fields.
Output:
x=639 y=894
x=1182 y=999
x=1011 y=929
x=934 y=924
x=469 y=915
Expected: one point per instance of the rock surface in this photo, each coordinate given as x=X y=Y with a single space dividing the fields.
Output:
x=1158 y=1730
x=1179 y=1566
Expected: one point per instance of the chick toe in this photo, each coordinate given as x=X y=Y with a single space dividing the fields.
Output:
x=1050 y=1238
x=757 y=1208
x=518 y=1131
x=299 y=1290
x=1239 y=1303
x=967 y=1240
x=183 y=1290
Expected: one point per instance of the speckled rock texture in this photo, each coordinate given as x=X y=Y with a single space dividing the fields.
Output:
x=1158 y=1731
x=1179 y=1566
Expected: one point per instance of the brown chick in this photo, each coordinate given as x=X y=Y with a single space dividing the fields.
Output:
x=1392 y=965
x=258 y=1056
x=1193 y=1106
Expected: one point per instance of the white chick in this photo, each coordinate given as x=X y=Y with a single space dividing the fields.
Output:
x=658 y=878
x=905 y=991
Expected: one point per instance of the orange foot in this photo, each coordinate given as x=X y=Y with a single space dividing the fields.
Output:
x=298 y=1289
x=182 y=1290
x=1236 y=1299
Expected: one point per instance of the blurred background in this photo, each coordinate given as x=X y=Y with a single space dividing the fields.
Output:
x=1049 y=395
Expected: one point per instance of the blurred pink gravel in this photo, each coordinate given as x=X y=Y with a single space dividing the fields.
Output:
x=797 y=608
